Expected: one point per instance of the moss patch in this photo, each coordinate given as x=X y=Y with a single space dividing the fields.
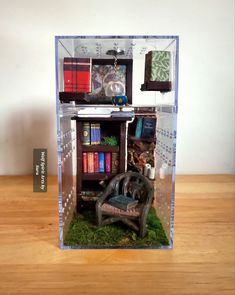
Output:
x=84 y=232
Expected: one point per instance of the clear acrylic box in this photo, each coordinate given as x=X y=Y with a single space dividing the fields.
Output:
x=117 y=101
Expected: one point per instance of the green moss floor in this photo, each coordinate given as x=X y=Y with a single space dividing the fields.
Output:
x=83 y=232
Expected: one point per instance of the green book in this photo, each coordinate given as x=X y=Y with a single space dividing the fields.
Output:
x=123 y=202
x=138 y=129
x=86 y=133
x=157 y=66
x=115 y=162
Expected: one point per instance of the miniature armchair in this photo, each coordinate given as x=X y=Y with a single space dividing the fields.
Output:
x=134 y=186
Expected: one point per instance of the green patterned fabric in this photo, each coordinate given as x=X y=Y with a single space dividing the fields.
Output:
x=157 y=66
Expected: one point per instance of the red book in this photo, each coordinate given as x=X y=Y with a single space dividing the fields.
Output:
x=96 y=162
x=84 y=158
x=69 y=74
x=77 y=74
x=90 y=162
x=108 y=162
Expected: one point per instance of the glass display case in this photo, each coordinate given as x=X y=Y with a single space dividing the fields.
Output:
x=116 y=103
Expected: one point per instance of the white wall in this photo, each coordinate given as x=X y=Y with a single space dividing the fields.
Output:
x=27 y=83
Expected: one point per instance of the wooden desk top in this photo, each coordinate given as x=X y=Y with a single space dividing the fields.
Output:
x=202 y=262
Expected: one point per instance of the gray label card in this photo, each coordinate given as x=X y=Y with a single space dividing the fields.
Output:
x=40 y=170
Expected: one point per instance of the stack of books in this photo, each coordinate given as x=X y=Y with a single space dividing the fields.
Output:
x=100 y=162
x=91 y=133
x=77 y=74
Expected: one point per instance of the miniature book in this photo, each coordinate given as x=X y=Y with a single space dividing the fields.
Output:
x=77 y=74
x=86 y=133
x=138 y=129
x=101 y=162
x=123 y=202
x=157 y=66
x=148 y=127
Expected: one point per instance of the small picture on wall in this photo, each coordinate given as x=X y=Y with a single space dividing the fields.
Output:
x=106 y=82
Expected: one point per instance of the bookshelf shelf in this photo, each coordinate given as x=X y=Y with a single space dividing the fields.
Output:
x=100 y=148
x=102 y=119
x=156 y=86
x=133 y=138
x=72 y=96
x=97 y=176
x=79 y=98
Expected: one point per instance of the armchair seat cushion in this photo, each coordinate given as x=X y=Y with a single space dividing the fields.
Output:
x=106 y=208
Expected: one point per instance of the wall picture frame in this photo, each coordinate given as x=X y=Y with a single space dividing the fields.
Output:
x=103 y=76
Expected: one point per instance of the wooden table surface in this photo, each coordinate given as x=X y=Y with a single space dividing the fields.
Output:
x=202 y=262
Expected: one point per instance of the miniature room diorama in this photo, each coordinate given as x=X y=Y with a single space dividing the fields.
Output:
x=116 y=132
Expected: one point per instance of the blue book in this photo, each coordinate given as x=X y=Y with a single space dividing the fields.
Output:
x=101 y=162
x=97 y=132
x=138 y=129
x=148 y=127
x=93 y=137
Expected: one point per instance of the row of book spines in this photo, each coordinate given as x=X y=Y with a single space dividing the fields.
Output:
x=100 y=162
x=91 y=133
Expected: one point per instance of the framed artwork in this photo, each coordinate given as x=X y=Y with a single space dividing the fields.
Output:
x=107 y=83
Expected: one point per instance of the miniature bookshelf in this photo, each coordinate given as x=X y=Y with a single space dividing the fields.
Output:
x=114 y=126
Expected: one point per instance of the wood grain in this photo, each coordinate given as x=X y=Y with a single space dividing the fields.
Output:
x=202 y=262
